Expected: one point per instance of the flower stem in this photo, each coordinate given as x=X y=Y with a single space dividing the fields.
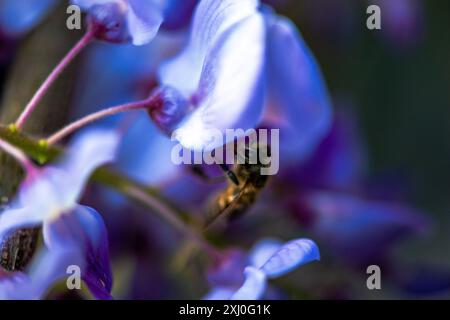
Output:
x=74 y=126
x=18 y=155
x=79 y=46
x=172 y=218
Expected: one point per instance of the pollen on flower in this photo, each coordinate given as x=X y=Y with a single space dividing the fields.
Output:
x=13 y=128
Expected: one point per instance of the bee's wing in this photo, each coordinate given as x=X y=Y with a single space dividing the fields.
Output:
x=227 y=209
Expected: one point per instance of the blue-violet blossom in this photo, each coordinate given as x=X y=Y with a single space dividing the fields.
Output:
x=73 y=234
x=19 y=16
x=233 y=67
x=136 y=21
x=242 y=277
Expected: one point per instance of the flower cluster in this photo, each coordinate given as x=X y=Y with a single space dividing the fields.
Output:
x=73 y=234
x=240 y=65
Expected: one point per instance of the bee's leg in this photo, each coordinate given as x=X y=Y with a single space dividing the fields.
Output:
x=231 y=175
x=198 y=171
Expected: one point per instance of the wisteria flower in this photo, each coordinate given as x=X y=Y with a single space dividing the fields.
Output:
x=242 y=277
x=73 y=234
x=297 y=98
x=136 y=21
x=216 y=82
x=234 y=66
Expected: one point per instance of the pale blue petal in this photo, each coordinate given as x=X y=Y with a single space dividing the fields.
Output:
x=290 y=256
x=144 y=19
x=14 y=219
x=211 y=19
x=51 y=266
x=230 y=93
x=297 y=91
x=10 y=284
x=84 y=229
x=45 y=192
x=56 y=189
x=47 y=269
x=19 y=16
x=90 y=150
x=262 y=251
x=86 y=4
x=254 y=286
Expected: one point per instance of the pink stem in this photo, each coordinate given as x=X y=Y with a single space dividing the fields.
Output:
x=18 y=155
x=74 y=126
x=79 y=46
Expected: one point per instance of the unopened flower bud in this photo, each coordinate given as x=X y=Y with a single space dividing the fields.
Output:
x=170 y=110
x=109 y=22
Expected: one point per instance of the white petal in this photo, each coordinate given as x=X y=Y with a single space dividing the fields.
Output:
x=86 y=4
x=290 y=256
x=144 y=19
x=254 y=286
x=90 y=150
x=230 y=93
x=14 y=219
x=211 y=19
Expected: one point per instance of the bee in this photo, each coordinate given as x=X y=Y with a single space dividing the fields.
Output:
x=244 y=187
x=18 y=249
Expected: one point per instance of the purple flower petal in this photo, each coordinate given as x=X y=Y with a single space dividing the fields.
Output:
x=228 y=273
x=361 y=229
x=120 y=21
x=290 y=256
x=86 y=4
x=297 y=90
x=340 y=161
x=47 y=268
x=178 y=13
x=56 y=189
x=254 y=286
x=18 y=16
x=84 y=229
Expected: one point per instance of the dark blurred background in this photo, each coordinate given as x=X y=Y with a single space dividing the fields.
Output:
x=398 y=81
